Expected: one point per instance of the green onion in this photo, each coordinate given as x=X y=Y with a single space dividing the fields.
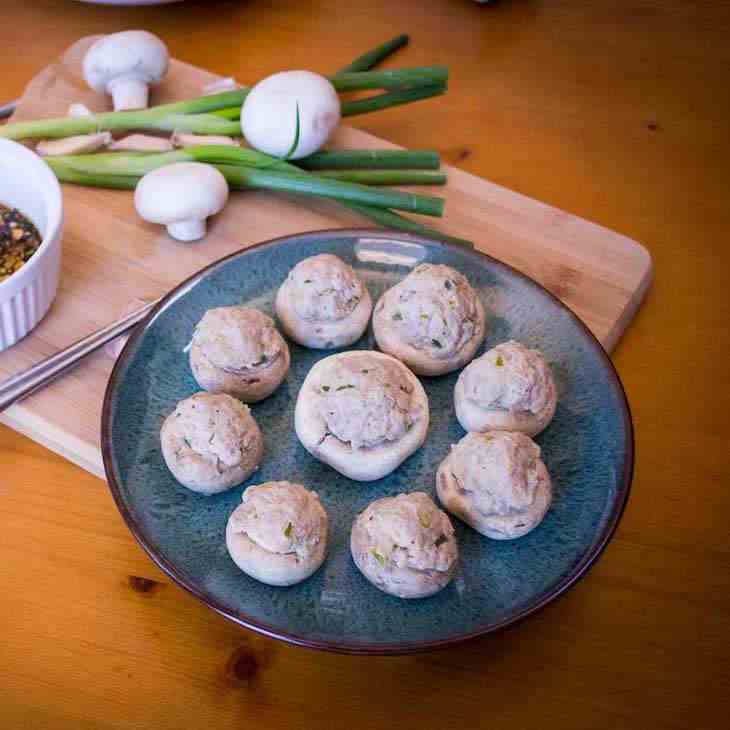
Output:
x=386 y=177
x=233 y=112
x=195 y=115
x=196 y=124
x=268 y=179
x=66 y=172
x=371 y=160
x=362 y=63
x=143 y=162
x=391 y=219
x=374 y=57
x=263 y=176
x=393 y=98
x=391 y=78
x=187 y=116
x=375 y=103
x=297 y=133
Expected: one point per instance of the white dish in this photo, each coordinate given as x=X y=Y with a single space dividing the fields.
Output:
x=27 y=183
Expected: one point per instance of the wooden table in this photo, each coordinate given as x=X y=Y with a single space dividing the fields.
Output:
x=615 y=111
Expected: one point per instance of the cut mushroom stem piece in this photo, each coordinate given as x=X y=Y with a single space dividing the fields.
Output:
x=181 y=139
x=141 y=143
x=78 y=111
x=125 y=65
x=226 y=84
x=181 y=196
x=77 y=145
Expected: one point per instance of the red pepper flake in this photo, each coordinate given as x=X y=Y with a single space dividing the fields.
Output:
x=19 y=240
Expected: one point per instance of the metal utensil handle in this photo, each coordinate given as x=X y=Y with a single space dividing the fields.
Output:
x=8 y=108
x=28 y=381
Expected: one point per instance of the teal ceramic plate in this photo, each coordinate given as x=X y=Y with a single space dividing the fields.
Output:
x=588 y=449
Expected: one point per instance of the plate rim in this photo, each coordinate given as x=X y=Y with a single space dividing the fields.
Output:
x=576 y=573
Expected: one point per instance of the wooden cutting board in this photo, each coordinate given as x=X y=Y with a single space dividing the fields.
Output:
x=111 y=257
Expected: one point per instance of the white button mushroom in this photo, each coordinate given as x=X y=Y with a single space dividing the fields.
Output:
x=125 y=65
x=362 y=412
x=239 y=351
x=432 y=320
x=509 y=388
x=269 y=113
x=323 y=304
x=496 y=482
x=181 y=197
x=405 y=545
x=211 y=442
x=278 y=534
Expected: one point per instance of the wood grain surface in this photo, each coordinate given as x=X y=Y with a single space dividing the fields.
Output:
x=616 y=112
x=602 y=275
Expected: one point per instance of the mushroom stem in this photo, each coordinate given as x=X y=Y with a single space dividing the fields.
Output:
x=78 y=145
x=128 y=93
x=190 y=230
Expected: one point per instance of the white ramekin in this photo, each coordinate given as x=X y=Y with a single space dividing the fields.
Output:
x=27 y=183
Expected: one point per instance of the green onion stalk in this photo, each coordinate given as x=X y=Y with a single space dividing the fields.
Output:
x=192 y=114
x=371 y=160
x=375 y=103
x=376 y=55
x=386 y=177
x=303 y=184
x=252 y=169
x=380 y=216
x=198 y=115
x=123 y=171
x=390 y=78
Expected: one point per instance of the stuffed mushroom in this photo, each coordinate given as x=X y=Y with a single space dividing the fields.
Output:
x=509 y=388
x=239 y=351
x=361 y=412
x=432 y=320
x=211 y=442
x=495 y=482
x=405 y=545
x=278 y=534
x=323 y=304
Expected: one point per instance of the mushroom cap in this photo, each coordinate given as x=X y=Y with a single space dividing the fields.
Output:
x=509 y=388
x=179 y=192
x=239 y=351
x=362 y=412
x=405 y=545
x=132 y=53
x=496 y=482
x=211 y=442
x=269 y=113
x=278 y=534
x=323 y=304
x=432 y=320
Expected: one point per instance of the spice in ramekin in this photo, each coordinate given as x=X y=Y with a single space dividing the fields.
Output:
x=19 y=240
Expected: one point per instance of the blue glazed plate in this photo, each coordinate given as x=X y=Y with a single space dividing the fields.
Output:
x=588 y=449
